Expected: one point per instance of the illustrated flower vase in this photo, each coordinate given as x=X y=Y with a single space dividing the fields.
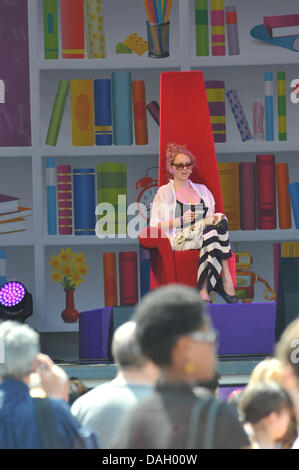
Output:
x=69 y=314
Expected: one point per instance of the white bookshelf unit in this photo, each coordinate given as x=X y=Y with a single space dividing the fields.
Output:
x=23 y=168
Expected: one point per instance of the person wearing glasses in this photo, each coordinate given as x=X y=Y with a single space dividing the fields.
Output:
x=185 y=212
x=174 y=331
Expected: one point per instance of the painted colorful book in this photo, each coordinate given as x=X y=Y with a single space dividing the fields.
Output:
x=232 y=32
x=57 y=112
x=21 y=212
x=266 y=192
x=102 y=111
x=84 y=201
x=94 y=28
x=82 y=109
x=128 y=278
x=215 y=90
x=139 y=111
x=122 y=108
x=239 y=115
x=8 y=203
x=247 y=195
x=112 y=189
x=72 y=29
x=50 y=29
x=64 y=200
x=51 y=182
x=110 y=279
x=154 y=109
x=201 y=27
x=294 y=196
x=217 y=27
x=12 y=225
x=3 y=267
x=283 y=197
x=281 y=106
x=229 y=180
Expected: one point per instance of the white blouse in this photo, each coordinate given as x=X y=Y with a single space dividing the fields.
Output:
x=164 y=203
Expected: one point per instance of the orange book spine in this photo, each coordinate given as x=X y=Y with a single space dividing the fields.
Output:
x=283 y=198
x=139 y=109
x=110 y=279
x=82 y=108
x=72 y=29
x=230 y=187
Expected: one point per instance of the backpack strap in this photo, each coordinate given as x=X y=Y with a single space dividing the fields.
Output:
x=196 y=410
x=46 y=424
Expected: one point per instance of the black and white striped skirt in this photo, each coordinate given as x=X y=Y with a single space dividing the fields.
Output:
x=209 y=235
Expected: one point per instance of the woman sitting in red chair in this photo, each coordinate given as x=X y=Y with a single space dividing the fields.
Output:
x=185 y=211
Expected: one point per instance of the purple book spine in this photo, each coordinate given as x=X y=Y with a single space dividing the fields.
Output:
x=15 y=124
x=247 y=195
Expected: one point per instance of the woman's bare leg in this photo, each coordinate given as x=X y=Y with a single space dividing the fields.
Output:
x=227 y=279
x=204 y=290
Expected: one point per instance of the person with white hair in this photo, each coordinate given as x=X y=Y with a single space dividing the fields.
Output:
x=103 y=408
x=20 y=425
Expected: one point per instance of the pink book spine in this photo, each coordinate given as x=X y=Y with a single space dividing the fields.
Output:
x=247 y=195
x=64 y=191
x=276 y=259
x=258 y=120
x=217 y=27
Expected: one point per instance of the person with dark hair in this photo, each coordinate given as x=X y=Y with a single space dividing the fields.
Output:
x=185 y=212
x=77 y=389
x=266 y=407
x=174 y=332
x=102 y=408
x=287 y=351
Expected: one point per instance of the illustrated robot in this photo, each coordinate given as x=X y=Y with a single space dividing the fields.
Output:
x=247 y=278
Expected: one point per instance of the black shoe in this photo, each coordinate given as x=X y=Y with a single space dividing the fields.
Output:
x=229 y=299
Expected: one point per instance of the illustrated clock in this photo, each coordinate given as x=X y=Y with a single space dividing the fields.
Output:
x=149 y=187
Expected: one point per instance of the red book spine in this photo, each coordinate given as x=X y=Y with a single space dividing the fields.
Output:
x=72 y=29
x=266 y=192
x=247 y=195
x=128 y=278
x=64 y=197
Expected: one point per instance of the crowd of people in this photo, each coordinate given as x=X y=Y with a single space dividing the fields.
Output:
x=165 y=394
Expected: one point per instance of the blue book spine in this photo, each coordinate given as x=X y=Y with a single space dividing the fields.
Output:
x=3 y=270
x=51 y=196
x=84 y=201
x=102 y=111
x=294 y=196
x=122 y=108
x=269 y=110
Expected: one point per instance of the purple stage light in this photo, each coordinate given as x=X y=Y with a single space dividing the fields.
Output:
x=12 y=293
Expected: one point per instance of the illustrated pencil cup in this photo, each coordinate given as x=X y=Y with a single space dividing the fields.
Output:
x=158 y=39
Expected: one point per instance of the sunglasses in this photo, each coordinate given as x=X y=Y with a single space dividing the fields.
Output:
x=210 y=336
x=181 y=166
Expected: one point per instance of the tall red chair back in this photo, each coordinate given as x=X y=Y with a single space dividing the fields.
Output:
x=185 y=120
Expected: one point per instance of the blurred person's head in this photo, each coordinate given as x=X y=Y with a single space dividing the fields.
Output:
x=21 y=346
x=175 y=332
x=270 y=369
x=127 y=354
x=287 y=351
x=267 y=407
x=76 y=389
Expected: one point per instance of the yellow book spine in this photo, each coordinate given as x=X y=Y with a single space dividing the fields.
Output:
x=82 y=109
x=230 y=186
x=94 y=27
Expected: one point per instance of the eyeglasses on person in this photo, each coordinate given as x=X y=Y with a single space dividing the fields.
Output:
x=181 y=166
x=209 y=336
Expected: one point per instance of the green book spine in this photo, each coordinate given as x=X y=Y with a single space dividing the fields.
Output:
x=281 y=106
x=201 y=27
x=57 y=112
x=112 y=189
x=50 y=29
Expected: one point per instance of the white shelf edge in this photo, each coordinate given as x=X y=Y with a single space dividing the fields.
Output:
x=253 y=146
x=278 y=235
x=239 y=60
x=86 y=240
x=99 y=151
x=20 y=240
x=127 y=63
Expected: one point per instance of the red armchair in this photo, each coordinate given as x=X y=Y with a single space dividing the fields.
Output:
x=185 y=120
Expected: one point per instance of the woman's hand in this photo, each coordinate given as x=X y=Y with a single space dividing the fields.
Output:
x=189 y=216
